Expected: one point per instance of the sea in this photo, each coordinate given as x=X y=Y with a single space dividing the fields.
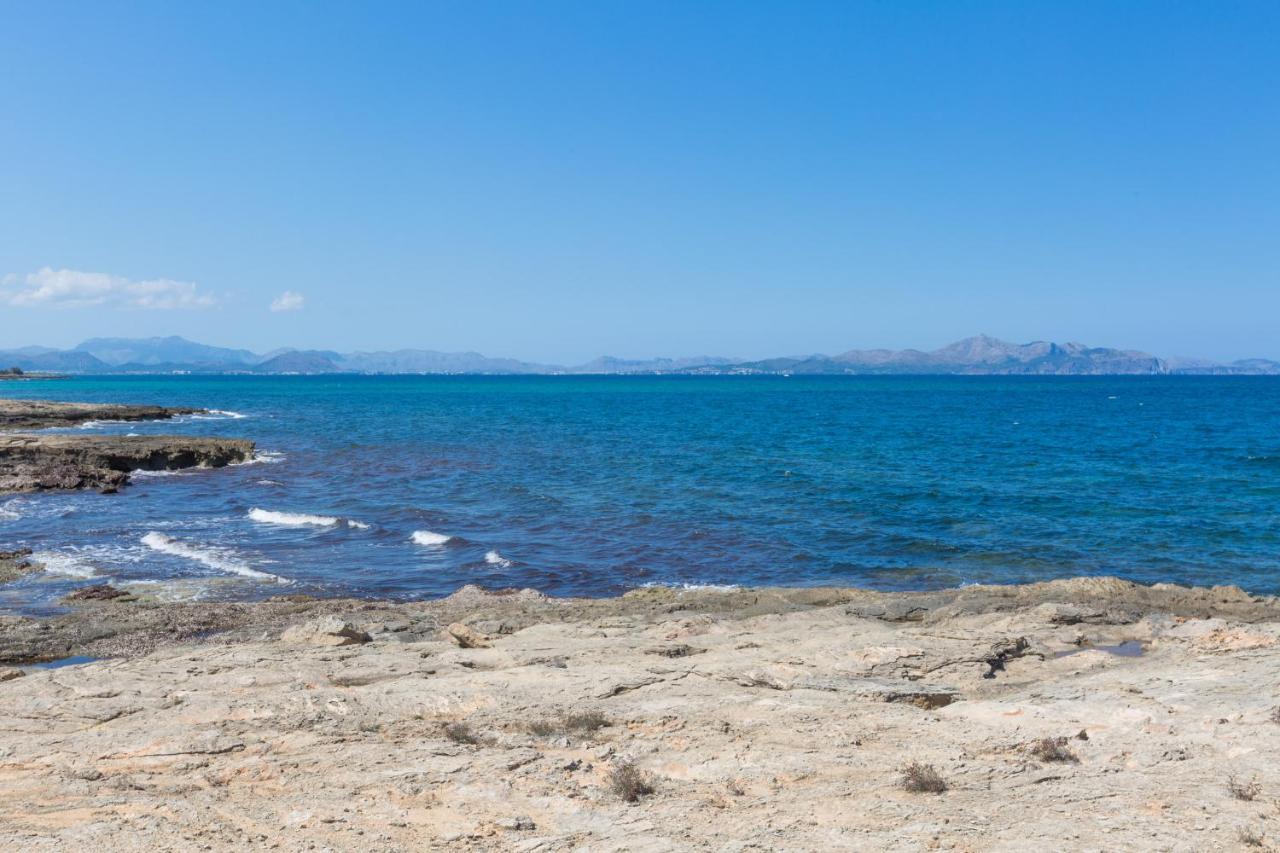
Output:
x=408 y=487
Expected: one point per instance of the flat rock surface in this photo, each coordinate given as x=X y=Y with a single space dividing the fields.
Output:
x=39 y=414
x=764 y=719
x=39 y=462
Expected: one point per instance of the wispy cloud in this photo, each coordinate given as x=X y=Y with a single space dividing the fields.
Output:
x=288 y=301
x=50 y=288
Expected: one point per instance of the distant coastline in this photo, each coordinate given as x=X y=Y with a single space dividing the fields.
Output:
x=976 y=356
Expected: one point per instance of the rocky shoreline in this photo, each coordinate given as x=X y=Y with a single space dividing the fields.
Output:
x=41 y=462
x=31 y=463
x=41 y=414
x=1083 y=714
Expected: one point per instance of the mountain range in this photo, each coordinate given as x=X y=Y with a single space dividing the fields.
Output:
x=980 y=355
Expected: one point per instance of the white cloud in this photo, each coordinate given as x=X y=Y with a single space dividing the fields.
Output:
x=50 y=288
x=288 y=301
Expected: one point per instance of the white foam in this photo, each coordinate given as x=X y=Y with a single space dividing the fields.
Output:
x=170 y=590
x=292 y=519
x=69 y=565
x=493 y=558
x=693 y=587
x=214 y=558
x=262 y=457
x=8 y=511
x=358 y=525
x=235 y=416
x=143 y=474
x=426 y=537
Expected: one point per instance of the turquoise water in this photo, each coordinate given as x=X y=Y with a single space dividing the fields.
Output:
x=578 y=485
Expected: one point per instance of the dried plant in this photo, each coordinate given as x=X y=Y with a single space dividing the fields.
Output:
x=1247 y=791
x=585 y=723
x=1053 y=749
x=1250 y=837
x=461 y=732
x=922 y=779
x=629 y=782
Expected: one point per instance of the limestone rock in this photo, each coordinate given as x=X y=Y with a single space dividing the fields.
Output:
x=466 y=637
x=325 y=631
x=34 y=463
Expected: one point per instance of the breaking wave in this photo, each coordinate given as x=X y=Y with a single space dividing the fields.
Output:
x=262 y=457
x=426 y=537
x=69 y=565
x=214 y=558
x=301 y=519
x=292 y=519
x=493 y=558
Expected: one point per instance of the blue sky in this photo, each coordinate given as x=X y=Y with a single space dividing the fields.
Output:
x=559 y=180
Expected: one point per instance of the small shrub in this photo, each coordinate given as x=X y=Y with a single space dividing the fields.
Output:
x=1250 y=837
x=461 y=732
x=922 y=779
x=629 y=782
x=1054 y=749
x=1275 y=714
x=586 y=723
x=1247 y=791
x=733 y=786
x=543 y=728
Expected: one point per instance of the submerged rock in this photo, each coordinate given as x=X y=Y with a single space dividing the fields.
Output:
x=14 y=564
x=98 y=592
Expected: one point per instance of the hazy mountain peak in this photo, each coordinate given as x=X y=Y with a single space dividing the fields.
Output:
x=980 y=354
x=167 y=350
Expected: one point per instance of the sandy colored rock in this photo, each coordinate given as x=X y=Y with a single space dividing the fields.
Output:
x=325 y=631
x=784 y=722
x=466 y=637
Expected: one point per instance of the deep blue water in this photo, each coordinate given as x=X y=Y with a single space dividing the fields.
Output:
x=578 y=485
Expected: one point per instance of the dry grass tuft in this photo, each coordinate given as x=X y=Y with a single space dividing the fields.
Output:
x=1250 y=837
x=1275 y=714
x=922 y=779
x=585 y=723
x=629 y=782
x=461 y=732
x=1247 y=791
x=588 y=722
x=1053 y=749
x=543 y=728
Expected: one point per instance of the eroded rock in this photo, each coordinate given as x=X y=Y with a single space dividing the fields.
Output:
x=325 y=631
x=33 y=463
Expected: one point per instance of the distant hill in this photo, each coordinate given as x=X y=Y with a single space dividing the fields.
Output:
x=171 y=350
x=1243 y=367
x=987 y=355
x=298 y=361
x=609 y=364
x=979 y=355
x=53 y=360
x=430 y=361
